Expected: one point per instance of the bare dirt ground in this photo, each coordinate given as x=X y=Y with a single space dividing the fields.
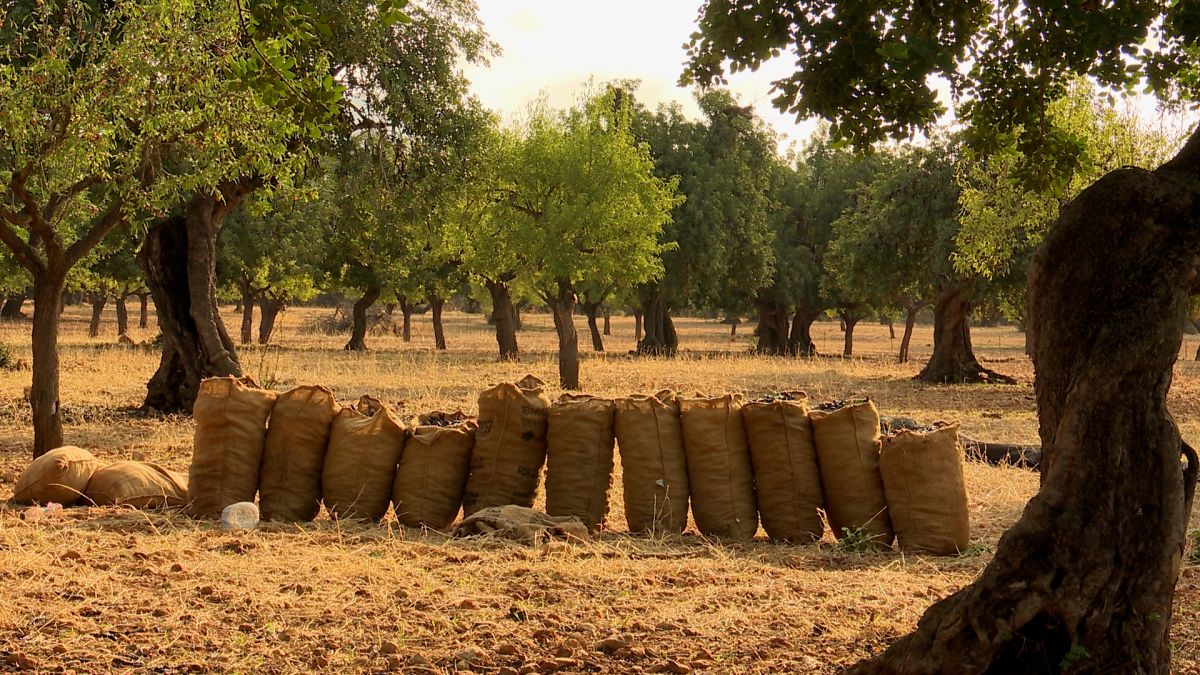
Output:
x=105 y=590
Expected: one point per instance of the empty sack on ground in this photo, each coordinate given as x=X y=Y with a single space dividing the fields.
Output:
x=59 y=476
x=141 y=485
x=365 y=443
x=510 y=445
x=432 y=474
x=926 y=495
x=720 y=476
x=847 y=441
x=654 y=474
x=786 y=477
x=579 y=458
x=231 y=427
x=294 y=454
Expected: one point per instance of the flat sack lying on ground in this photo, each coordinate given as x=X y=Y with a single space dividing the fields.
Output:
x=521 y=524
x=579 y=458
x=847 y=442
x=786 y=475
x=231 y=427
x=653 y=464
x=294 y=454
x=360 y=464
x=720 y=476
x=140 y=485
x=59 y=476
x=432 y=474
x=510 y=445
x=926 y=495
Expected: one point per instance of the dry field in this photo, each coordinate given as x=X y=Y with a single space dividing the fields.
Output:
x=102 y=590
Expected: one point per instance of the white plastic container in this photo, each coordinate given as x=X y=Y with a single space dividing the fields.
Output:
x=240 y=516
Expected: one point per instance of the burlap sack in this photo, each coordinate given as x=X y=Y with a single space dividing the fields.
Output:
x=926 y=495
x=138 y=484
x=294 y=455
x=718 y=464
x=59 y=476
x=653 y=464
x=847 y=441
x=231 y=426
x=579 y=458
x=786 y=477
x=510 y=446
x=432 y=474
x=360 y=464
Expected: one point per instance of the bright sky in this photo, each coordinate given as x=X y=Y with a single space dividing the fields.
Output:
x=556 y=45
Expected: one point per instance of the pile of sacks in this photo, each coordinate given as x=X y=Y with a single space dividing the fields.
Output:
x=730 y=460
x=71 y=475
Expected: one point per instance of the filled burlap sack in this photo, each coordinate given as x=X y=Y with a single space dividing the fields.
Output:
x=59 y=476
x=294 y=454
x=654 y=474
x=138 y=484
x=720 y=476
x=848 y=441
x=231 y=427
x=579 y=458
x=510 y=445
x=365 y=443
x=432 y=474
x=926 y=495
x=786 y=477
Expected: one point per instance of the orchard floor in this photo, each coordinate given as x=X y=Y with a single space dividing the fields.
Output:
x=98 y=590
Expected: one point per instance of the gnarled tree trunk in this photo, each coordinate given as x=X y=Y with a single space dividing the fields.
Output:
x=178 y=257
x=1084 y=582
x=772 y=328
x=953 y=357
x=503 y=317
x=12 y=307
x=910 y=320
x=43 y=394
x=358 y=334
x=439 y=332
x=562 y=305
x=591 y=310
x=97 y=301
x=270 y=308
x=800 y=340
x=660 y=338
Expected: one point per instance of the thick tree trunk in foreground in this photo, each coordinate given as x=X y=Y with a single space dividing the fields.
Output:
x=12 y=307
x=143 y=310
x=178 y=257
x=269 y=308
x=591 y=310
x=910 y=320
x=358 y=334
x=98 y=301
x=503 y=317
x=953 y=357
x=772 y=328
x=800 y=340
x=439 y=332
x=562 y=305
x=43 y=394
x=660 y=338
x=122 y=313
x=1084 y=581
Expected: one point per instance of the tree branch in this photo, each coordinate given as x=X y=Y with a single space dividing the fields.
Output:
x=97 y=232
x=23 y=252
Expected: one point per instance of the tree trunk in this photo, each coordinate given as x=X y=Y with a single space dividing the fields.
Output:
x=269 y=308
x=439 y=333
x=891 y=328
x=733 y=324
x=122 y=314
x=178 y=257
x=849 y=321
x=503 y=315
x=12 y=307
x=660 y=336
x=800 y=340
x=910 y=320
x=637 y=325
x=953 y=359
x=607 y=322
x=772 y=328
x=247 y=312
x=562 y=306
x=98 y=301
x=517 y=322
x=358 y=334
x=591 y=310
x=43 y=393
x=1084 y=581
x=406 y=309
x=144 y=310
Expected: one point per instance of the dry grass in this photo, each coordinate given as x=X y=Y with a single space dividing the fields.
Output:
x=100 y=589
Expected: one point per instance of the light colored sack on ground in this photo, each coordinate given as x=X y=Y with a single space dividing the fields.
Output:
x=59 y=476
x=926 y=494
x=432 y=475
x=510 y=445
x=653 y=464
x=848 y=443
x=579 y=458
x=522 y=524
x=141 y=485
x=360 y=465
x=231 y=428
x=718 y=464
x=294 y=454
x=786 y=476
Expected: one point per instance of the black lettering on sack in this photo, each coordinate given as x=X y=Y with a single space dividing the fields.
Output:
x=485 y=428
x=526 y=472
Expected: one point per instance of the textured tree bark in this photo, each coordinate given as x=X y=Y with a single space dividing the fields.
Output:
x=178 y=257
x=143 y=310
x=269 y=308
x=953 y=359
x=562 y=305
x=43 y=392
x=772 y=328
x=358 y=334
x=660 y=338
x=98 y=302
x=12 y=307
x=800 y=340
x=910 y=320
x=1084 y=582
x=502 y=317
x=591 y=310
x=122 y=313
x=439 y=333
